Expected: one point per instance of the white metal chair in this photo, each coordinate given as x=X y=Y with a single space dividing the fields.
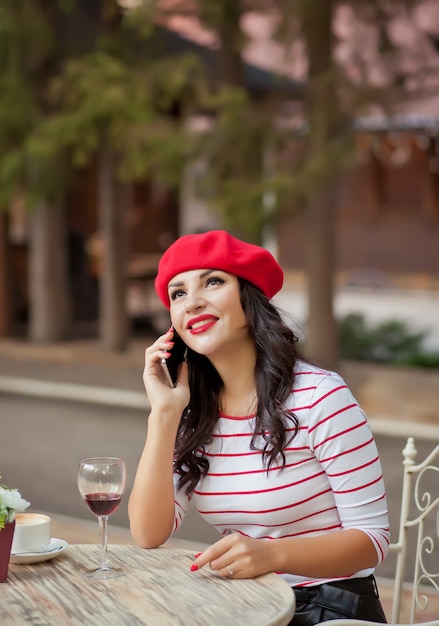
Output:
x=417 y=505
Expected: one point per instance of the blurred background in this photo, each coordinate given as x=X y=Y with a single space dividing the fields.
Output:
x=308 y=127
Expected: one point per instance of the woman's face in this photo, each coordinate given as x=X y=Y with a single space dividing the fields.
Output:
x=206 y=311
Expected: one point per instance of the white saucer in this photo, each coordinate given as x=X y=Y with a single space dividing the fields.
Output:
x=55 y=548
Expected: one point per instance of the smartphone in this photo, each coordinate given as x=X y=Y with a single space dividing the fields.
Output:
x=171 y=364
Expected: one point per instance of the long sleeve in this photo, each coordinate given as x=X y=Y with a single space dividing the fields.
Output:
x=343 y=444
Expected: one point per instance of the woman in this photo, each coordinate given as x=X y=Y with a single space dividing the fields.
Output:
x=273 y=451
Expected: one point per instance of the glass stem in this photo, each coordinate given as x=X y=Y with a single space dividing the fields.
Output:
x=105 y=564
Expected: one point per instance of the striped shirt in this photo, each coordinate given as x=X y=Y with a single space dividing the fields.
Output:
x=332 y=479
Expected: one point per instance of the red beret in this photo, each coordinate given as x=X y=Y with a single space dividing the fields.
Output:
x=217 y=249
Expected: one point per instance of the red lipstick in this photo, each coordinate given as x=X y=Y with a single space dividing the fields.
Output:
x=201 y=323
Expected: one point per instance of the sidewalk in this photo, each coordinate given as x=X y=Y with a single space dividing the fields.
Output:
x=81 y=370
x=70 y=369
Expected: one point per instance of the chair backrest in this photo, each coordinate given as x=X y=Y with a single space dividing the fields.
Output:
x=420 y=515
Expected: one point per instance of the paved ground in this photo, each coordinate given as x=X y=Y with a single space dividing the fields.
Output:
x=82 y=370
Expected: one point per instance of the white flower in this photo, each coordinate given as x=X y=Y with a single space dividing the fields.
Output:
x=11 y=502
x=12 y=499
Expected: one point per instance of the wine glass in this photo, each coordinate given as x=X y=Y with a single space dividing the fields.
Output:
x=101 y=483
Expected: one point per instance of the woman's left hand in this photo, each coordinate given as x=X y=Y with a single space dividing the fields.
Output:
x=235 y=556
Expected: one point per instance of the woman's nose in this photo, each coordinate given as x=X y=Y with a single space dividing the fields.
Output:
x=194 y=300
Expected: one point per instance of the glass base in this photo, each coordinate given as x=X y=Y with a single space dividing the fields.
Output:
x=105 y=573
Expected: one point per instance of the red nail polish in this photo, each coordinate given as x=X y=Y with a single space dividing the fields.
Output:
x=197 y=555
x=194 y=567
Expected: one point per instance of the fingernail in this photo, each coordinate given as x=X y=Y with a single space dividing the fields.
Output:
x=197 y=555
x=194 y=567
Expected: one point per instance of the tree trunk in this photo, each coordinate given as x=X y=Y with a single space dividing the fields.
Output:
x=231 y=37
x=113 y=319
x=321 y=344
x=5 y=290
x=48 y=281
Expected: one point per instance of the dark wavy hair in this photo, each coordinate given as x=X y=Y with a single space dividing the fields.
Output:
x=276 y=355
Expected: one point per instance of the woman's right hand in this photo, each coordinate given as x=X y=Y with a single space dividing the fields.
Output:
x=151 y=505
x=162 y=397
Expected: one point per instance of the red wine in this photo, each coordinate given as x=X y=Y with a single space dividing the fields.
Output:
x=103 y=503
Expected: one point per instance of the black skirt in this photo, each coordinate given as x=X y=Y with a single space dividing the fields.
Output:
x=356 y=598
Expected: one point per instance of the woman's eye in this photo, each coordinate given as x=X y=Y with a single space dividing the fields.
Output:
x=215 y=280
x=176 y=294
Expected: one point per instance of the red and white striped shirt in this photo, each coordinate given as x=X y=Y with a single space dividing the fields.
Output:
x=332 y=479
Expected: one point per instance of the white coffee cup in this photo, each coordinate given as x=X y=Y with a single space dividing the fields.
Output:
x=32 y=532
